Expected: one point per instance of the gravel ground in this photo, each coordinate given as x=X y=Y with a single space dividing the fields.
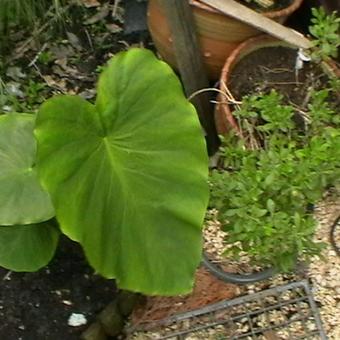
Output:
x=323 y=272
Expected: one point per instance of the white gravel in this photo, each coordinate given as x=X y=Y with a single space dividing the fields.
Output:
x=325 y=274
x=76 y=320
x=323 y=271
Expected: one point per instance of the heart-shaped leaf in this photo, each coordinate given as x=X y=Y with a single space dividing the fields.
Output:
x=27 y=247
x=22 y=199
x=128 y=175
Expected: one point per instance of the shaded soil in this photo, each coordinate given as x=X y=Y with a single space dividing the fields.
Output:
x=208 y=289
x=66 y=56
x=274 y=68
x=278 y=5
x=36 y=306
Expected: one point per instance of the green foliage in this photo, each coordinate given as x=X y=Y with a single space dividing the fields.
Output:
x=46 y=57
x=22 y=98
x=127 y=176
x=25 y=12
x=33 y=93
x=272 y=175
x=27 y=248
x=22 y=200
x=25 y=244
x=326 y=32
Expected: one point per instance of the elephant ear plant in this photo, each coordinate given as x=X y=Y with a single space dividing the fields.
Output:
x=27 y=239
x=128 y=175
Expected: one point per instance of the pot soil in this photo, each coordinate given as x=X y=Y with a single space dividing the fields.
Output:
x=38 y=305
x=218 y=34
x=265 y=5
x=262 y=64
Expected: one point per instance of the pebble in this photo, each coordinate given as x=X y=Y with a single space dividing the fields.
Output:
x=67 y=302
x=76 y=320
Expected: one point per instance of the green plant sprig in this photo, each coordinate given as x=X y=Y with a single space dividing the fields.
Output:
x=325 y=30
x=262 y=194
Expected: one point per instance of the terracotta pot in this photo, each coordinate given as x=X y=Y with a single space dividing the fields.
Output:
x=218 y=34
x=223 y=111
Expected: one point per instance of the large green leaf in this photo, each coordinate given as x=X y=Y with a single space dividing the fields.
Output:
x=22 y=199
x=27 y=247
x=128 y=175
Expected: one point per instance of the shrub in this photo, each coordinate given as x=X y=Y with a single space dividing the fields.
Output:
x=272 y=176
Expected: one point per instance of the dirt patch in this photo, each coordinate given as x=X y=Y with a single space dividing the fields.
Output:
x=36 y=306
x=208 y=289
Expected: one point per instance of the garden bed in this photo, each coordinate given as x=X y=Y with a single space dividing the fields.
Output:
x=63 y=57
x=323 y=274
x=39 y=305
x=58 y=58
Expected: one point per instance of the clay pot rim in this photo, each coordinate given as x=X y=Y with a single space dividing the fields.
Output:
x=271 y=14
x=249 y=46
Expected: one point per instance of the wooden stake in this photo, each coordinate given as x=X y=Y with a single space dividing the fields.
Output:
x=190 y=64
x=262 y=23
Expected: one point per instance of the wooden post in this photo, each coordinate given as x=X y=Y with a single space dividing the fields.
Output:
x=190 y=64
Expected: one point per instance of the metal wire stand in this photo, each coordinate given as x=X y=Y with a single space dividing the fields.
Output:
x=283 y=312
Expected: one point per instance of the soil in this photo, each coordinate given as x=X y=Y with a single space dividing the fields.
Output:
x=208 y=289
x=36 y=306
x=274 y=68
x=278 y=5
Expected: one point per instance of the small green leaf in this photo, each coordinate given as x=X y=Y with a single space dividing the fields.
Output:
x=231 y=212
x=269 y=179
x=259 y=212
x=271 y=205
x=27 y=247
x=297 y=219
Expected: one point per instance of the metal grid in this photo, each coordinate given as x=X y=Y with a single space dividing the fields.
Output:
x=283 y=312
